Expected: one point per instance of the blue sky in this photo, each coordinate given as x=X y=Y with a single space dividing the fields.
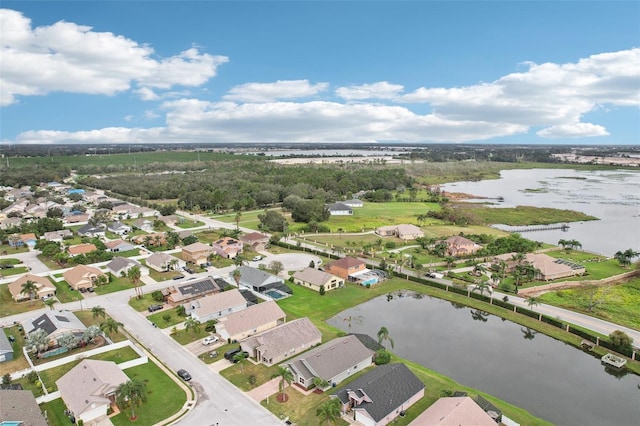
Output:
x=556 y=72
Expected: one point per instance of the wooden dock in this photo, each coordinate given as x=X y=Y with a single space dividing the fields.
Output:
x=533 y=228
x=613 y=360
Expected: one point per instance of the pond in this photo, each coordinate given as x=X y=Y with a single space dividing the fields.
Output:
x=548 y=378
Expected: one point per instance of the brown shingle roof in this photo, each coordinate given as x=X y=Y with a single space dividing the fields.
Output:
x=251 y=318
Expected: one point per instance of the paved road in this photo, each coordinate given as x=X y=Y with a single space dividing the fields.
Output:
x=30 y=259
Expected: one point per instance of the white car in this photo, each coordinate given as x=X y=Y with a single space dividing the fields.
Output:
x=257 y=258
x=209 y=340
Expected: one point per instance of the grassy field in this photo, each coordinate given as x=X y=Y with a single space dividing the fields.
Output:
x=185 y=337
x=174 y=318
x=524 y=215
x=619 y=303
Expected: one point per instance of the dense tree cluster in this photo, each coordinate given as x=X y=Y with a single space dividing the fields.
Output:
x=33 y=176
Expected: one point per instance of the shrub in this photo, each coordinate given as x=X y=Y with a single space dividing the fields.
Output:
x=6 y=379
x=210 y=326
x=252 y=379
x=390 y=245
x=620 y=339
x=157 y=296
x=382 y=357
x=322 y=291
x=32 y=377
x=180 y=310
x=166 y=317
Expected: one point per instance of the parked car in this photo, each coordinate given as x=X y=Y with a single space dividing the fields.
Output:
x=209 y=340
x=184 y=375
x=178 y=277
x=228 y=355
x=154 y=308
x=213 y=354
x=256 y=258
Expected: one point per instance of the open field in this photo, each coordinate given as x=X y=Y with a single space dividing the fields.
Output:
x=523 y=215
x=618 y=303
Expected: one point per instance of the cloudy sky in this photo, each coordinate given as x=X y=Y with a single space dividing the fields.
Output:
x=320 y=71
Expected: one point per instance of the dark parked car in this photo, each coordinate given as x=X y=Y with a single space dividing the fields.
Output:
x=178 y=277
x=154 y=308
x=184 y=375
x=228 y=355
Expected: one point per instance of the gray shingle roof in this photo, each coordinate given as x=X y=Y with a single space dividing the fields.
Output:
x=387 y=387
x=255 y=277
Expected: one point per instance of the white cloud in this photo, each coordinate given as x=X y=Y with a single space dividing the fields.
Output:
x=280 y=90
x=574 y=130
x=67 y=57
x=379 y=90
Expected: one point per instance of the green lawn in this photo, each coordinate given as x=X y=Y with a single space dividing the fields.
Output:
x=165 y=397
x=13 y=271
x=188 y=224
x=19 y=362
x=525 y=215
x=65 y=294
x=618 y=303
x=239 y=374
x=55 y=413
x=86 y=317
x=158 y=317
x=10 y=261
x=116 y=284
x=9 y=307
x=143 y=303
x=185 y=337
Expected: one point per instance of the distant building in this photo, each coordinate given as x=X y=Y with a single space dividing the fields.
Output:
x=45 y=288
x=402 y=231
x=215 y=306
x=339 y=209
x=82 y=276
x=255 y=240
x=19 y=407
x=461 y=246
x=352 y=270
x=227 y=247
x=250 y=321
x=191 y=290
x=197 y=253
x=315 y=279
x=454 y=411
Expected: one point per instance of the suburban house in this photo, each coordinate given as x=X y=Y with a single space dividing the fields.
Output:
x=169 y=220
x=454 y=411
x=55 y=324
x=381 y=395
x=119 y=228
x=339 y=209
x=29 y=239
x=352 y=270
x=227 y=247
x=163 y=262
x=6 y=348
x=191 y=290
x=547 y=268
x=154 y=239
x=117 y=246
x=197 y=253
x=143 y=224
x=58 y=236
x=252 y=320
x=91 y=231
x=45 y=287
x=74 y=217
x=215 y=306
x=120 y=266
x=19 y=407
x=316 y=279
x=255 y=240
x=333 y=361
x=354 y=203
x=261 y=281
x=10 y=222
x=89 y=388
x=461 y=246
x=81 y=249
x=82 y=276
x=403 y=231
x=284 y=341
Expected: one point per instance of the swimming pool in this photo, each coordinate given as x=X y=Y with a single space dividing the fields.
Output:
x=274 y=294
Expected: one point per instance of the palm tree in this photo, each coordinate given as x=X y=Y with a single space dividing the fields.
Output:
x=481 y=286
x=68 y=340
x=237 y=219
x=131 y=394
x=286 y=377
x=450 y=261
x=37 y=341
x=30 y=289
x=134 y=276
x=240 y=358
x=91 y=333
x=111 y=326
x=239 y=260
x=383 y=334
x=236 y=276
x=320 y=383
x=330 y=410
x=50 y=302
x=624 y=257
x=98 y=312
x=192 y=324
x=532 y=301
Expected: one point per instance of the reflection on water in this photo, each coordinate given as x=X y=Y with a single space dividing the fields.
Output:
x=550 y=379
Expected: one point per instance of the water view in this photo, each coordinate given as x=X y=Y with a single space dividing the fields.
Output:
x=550 y=379
x=611 y=196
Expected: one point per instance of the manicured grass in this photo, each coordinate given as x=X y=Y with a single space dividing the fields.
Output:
x=185 y=337
x=188 y=224
x=174 y=318
x=48 y=262
x=13 y=271
x=10 y=261
x=19 y=362
x=239 y=374
x=116 y=284
x=164 y=396
x=143 y=303
x=9 y=307
x=620 y=303
x=86 y=317
x=55 y=412
x=65 y=294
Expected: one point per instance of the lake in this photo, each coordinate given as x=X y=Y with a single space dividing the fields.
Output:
x=548 y=378
x=613 y=196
